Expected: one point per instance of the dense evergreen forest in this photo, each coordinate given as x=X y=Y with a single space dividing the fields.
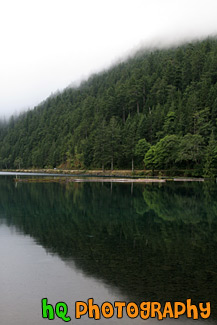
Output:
x=157 y=111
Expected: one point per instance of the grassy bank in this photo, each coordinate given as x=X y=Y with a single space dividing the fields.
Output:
x=119 y=176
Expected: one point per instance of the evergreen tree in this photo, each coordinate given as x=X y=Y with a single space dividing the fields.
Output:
x=210 y=167
x=159 y=96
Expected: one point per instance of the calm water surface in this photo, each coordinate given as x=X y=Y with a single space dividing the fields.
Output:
x=108 y=242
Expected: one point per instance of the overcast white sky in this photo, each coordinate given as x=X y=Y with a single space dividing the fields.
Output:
x=45 y=45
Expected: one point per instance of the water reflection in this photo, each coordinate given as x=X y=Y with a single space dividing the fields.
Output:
x=153 y=243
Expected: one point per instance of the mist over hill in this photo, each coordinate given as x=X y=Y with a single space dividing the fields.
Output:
x=157 y=110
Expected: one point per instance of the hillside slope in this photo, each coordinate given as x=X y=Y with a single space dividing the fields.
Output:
x=161 y=105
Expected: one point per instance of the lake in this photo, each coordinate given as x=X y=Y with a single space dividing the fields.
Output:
x=106 y=241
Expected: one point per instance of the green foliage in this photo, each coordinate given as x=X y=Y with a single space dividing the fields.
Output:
x=114 y=140
x=169 y=124
x=163 y=154
x=141 y=149
x=165 y=98
x=130 y=139
x=101 y=146
x=18 y=162
x=166 y=152
x=191 y=150
x=149 y=159
x=210 y=168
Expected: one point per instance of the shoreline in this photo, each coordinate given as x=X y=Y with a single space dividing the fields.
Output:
x=80 y=176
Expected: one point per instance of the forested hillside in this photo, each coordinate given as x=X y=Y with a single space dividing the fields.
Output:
x=156 y=111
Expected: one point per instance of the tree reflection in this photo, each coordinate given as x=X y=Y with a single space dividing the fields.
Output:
x=158 y=243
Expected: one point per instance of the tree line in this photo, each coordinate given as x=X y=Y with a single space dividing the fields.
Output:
x=156 y=111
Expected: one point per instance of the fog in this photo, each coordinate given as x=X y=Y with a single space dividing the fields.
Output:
x=48 y=45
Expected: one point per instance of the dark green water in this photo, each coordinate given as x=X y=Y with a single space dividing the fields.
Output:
x=107 y=242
